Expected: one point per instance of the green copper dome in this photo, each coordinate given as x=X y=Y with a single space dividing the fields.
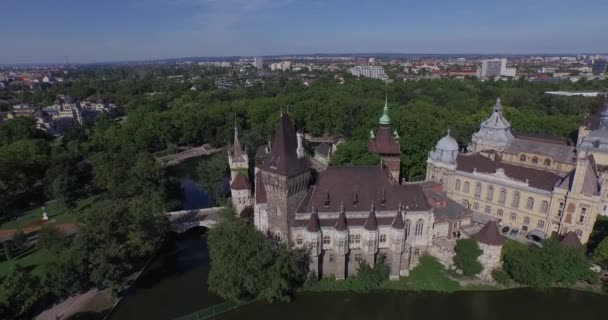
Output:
x=385 y=119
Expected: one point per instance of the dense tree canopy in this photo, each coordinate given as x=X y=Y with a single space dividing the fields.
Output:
x=246 y=265
x=467 y=252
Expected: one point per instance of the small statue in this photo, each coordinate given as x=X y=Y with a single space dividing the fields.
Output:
x=45 y=215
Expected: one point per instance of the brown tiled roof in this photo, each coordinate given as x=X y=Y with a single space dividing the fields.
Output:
x=283 y=158
x=240 y=182
x=260 y=190
x=371 y=224
x=591 y=184
x=571 y=240
x=363 y=185
x=540 y=179
x=384 y=142
x=313 y=223
x=489 y=234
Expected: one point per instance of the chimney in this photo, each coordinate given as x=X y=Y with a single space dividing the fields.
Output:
x=300 y=149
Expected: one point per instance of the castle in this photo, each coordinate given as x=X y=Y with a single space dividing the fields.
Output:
x=532 y=184
x=357 y=213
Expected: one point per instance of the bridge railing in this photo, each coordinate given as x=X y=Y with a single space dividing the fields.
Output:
x=211 y=312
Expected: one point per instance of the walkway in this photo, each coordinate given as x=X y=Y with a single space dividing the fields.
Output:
x=66 y=228
x=177 y=158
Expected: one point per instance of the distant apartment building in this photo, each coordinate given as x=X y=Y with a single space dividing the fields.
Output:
x=257 y=63
x=495 y=68
x=283 y=66
x=599 y=66
x=374 y=72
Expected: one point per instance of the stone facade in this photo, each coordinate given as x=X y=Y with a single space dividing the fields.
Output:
x=546 y=188
x=351 y=214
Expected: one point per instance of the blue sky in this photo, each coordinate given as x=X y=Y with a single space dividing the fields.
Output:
x=110 y=30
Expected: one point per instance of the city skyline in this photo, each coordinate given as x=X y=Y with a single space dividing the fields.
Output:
x=45 y=32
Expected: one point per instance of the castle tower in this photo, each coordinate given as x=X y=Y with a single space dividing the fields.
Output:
x=441 y=162
x=386 y=144
x=397 y=244
x=490 y=242
x=285 y=176
x=370 y=237
x=494 y=133
x=313 y=231
x=238 y=159
x=341 y=244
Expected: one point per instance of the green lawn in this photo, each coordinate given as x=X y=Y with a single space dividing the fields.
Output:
x=428 y=275
x=29 y=258
x=56 y=210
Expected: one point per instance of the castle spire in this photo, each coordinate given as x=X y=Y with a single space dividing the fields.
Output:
x=371 y=224
x=498 y=106
x=385 y=120
x=236 y=148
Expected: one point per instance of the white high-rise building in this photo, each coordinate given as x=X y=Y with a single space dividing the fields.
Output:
x=257 y=63
x=375 y=72
x=495 y=67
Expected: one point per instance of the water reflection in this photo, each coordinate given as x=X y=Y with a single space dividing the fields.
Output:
x=175 y=284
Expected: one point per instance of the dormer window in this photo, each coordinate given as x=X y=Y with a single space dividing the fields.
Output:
x=327 y=200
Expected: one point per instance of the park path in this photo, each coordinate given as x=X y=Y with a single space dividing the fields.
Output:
x=66 y=228
x=177 y=158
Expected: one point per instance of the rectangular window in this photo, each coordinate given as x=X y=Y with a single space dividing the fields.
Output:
x=541 y=224
x=357 y=238
x=524 y=228
x=583 y=217
x=331 y=258
x=475 y=206
x=560 y=210
x=513 y=216
x=499 y=212
x=526 y=220
x=488 y=210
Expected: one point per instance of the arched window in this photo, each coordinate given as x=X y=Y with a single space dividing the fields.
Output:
x=522 y=157
x=383 y=238
x=547 y=162
x=544 y=206
x=535 y=160
x=326 y=240
x=407 y=228
x=419 y=227
x=530 y=203
x=503 y=196
x=277 y=236
x=515 y=202
x=490 y=193
x=466 y=187
x=299 y=240
x=457 y=184
x=477 y=190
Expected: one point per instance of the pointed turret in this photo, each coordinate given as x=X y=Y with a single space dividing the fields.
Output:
x=385 y=120
x=283 y=158
x=489 y=234
x=371 y=224
x=341 y=222
x=498 y=106
x=313 y=222
x=398 y=222
x=237 y=151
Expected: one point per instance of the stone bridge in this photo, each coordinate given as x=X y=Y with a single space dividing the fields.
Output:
x=183 y=220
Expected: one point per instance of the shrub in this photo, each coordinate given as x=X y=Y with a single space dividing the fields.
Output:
x=467 y=252
x=52 y=240
x=501 y=277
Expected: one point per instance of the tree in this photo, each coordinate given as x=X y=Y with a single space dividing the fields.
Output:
x=600 y=255
x=369 y=278
x=211 y=175
x=22 y=290
x=246 y=265
x=467 y=252
x=7 y=250
x=19 y=238
x=52 y=240
x=551 y=264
